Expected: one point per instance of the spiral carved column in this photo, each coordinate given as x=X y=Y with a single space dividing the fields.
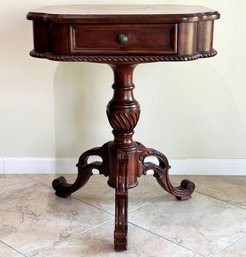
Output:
x=123 y=113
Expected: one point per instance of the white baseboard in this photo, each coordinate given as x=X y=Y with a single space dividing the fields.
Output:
x=189 y=166
x=1 y=166
x=39 y=165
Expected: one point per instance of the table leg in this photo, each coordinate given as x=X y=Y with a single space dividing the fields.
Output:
x=121 y=202
x=64 y=189
x=182 y=192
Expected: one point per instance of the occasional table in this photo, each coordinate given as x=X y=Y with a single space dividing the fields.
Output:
x=123 y=37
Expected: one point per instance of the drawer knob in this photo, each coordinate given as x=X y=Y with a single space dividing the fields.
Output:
x=122 y=38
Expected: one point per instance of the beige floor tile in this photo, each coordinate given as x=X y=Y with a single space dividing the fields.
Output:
x=99 y=242
x=147 y=191
x=37 y=219
x=202 y=223
x=237 y=249
x=98 y=193
x=231 y=189
x=6 y=251
x=14 y=186
x=47 y=179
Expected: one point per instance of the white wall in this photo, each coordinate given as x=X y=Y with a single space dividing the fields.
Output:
x=189 y=110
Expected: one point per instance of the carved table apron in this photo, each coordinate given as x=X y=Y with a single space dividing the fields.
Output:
x=123 y=37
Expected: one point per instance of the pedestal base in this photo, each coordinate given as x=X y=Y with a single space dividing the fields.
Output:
x=122 y=170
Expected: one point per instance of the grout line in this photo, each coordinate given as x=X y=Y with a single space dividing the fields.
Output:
x=93 y=206
x=144 y=204
x=72 y=237
x=30 y=178
x=237 y=206
x=12 y=248
x=140 y=206
x=43 y=183
x=224 y=201
x=201 y=255
x=112 y=214
x=232 y=243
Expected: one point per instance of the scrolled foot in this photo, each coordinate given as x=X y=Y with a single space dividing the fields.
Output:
x=182 y=192
x=186 y=186
x=59 y=184
x=64 y=189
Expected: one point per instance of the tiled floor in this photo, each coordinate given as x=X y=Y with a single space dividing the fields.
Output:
x=35 y=222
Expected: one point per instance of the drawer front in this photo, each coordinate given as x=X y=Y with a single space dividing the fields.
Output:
x=123 y=39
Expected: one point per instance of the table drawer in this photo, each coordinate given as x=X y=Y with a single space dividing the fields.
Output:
x=123 y=39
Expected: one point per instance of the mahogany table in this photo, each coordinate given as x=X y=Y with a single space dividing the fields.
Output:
x=123 y=37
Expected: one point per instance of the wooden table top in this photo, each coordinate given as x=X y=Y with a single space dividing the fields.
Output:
x=123 y=33
x=164 y=12
x=123 y=9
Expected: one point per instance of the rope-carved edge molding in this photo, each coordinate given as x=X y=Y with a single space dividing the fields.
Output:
x=122 y=58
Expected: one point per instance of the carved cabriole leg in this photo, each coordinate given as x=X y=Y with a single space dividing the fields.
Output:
x=123 y=114
x=64 y=189
x=186 y=188
x=121 y=202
